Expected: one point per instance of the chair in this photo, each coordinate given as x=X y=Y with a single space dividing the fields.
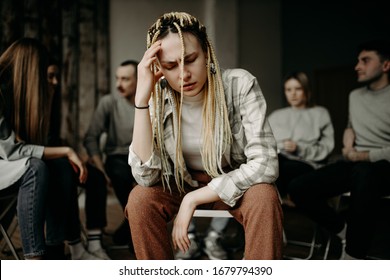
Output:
x=212 y=213
x=312 y=244
x=336 y=204
x=7 y=208
x=233 y=240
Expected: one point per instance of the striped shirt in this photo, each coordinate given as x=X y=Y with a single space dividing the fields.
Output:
x=252 y=155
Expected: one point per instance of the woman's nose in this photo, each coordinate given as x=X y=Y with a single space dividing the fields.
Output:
x=185 y=74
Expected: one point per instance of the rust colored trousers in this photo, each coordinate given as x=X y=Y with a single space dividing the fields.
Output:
x=150 y=209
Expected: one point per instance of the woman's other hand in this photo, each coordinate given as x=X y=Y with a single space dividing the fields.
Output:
x=77 y=165
x=182 y=221
x=290 y=146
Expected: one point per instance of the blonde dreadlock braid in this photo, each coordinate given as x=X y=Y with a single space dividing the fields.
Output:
x=217 y=134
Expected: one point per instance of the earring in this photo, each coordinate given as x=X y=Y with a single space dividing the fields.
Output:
x=212 y=68
x=163 y=83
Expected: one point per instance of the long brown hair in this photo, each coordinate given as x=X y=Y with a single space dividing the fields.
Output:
x=303 y=79
x=24 y=94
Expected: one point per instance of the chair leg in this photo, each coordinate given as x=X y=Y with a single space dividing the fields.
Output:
x=312 y=245
x=7 y=237
x=9 y=242
x=327 y=247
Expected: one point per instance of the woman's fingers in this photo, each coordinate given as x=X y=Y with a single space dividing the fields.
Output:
x=151 y=54
x=158 y=75
x=78 y=167
x=180 y=233
x=180 y=239
x=83 y=174
x=74 y=166
x=146 y=77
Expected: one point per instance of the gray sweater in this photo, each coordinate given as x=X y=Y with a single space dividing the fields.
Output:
x=369 y=117
x=114 y=115
x=310 y=128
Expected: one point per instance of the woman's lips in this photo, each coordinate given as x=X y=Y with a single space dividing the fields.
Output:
x=188 y=87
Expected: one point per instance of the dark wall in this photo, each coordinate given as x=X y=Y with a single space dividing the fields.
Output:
x=76 y=34
x=324 y=34
x=31 y=18
x=320 y=38
x=260 y=46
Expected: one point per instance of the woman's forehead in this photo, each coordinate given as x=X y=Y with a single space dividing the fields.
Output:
x=171 y=47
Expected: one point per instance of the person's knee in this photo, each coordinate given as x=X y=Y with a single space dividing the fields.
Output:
x=117 y=168
x=369 y=173
x=366 y=179
x=138 y=202
x=270 y=192
x=62 y=172
x=38 y=168
x=263 y=203
x=363 y=171
x=300 y=188
x=62 y=163
x=264 y=194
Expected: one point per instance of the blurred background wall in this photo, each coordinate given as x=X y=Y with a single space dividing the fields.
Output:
x=76 y=35
x=267 y=37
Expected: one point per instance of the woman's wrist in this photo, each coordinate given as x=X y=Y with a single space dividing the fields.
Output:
x=68 y=151
x=141 y=106
x=189 y=201
x=141 y=97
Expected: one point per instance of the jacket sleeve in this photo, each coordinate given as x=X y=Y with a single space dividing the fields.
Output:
x=10 y=149
x=148 y=173
x=97 y=127
x=254 y=146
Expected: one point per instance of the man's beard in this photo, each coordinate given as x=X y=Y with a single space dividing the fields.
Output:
x=371 y=80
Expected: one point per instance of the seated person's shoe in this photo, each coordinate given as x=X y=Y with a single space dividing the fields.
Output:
x=213 y=247
x=86 y=256
x=192 y=252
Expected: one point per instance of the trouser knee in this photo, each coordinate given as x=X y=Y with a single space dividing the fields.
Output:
x=39 y=169
x=136 y=203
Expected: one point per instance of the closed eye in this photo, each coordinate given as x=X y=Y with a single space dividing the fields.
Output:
x=188 y=61
x=169 y=66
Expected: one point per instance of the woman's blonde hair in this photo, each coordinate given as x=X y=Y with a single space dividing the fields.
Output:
x=24 y=97
x=216 y=133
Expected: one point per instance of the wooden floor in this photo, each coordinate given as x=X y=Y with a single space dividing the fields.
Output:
x=297 y=227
